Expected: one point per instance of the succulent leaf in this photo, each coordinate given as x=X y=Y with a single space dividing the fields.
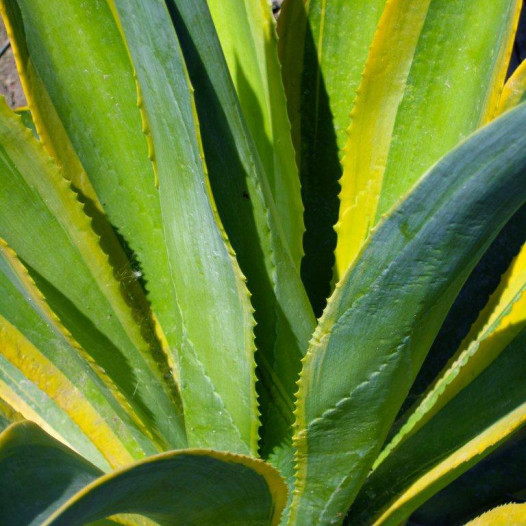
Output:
x=389 y=306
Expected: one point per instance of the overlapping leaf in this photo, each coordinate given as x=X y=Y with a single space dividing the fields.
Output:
x=244 y=200
x=497 y=325
x=97 y=106
x=38 y=474
x=216 y=359
x=46 y=376
x=49 y=484
x=481 y=417
x=434 y=74
x=44 y=223
x=388 y=308
x=495 y=480
x=323 y=47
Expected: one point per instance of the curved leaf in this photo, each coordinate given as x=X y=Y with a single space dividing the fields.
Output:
x=39 y=474
x=433 y=72
x=183 y=487
x=499 y=322
x=493 y=481
x=44 y=482
x=388 y=308
x=219 y=395
x=480 y=418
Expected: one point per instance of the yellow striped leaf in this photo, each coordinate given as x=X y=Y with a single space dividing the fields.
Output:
x=42 y=220
x=433 y=74
x=38 y=354
x=497 y=325
x=506 y=515
x=323 y=46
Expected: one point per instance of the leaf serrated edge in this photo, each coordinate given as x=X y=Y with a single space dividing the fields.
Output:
x=496 y=318
x=239 y=278
x=501 y=516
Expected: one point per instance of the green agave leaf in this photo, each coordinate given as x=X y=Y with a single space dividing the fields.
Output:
x=39 y=474
x=497 y=325
x=323 y=47
x=482 y=416
x=388 y=308
x=434 y=74
x=183 y=487
x=44 y=482
x=45 y=374
x=494 y=480
x=43 y=222
x=502 y=516
x=251 y=54
x=218 y=394
x=284 y=317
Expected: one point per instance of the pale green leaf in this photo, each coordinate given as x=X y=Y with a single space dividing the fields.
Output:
x=284 y=317
x=251 y=54
x=217 y=350
x=97 y=105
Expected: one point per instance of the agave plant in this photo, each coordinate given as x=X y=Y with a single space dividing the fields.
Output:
x=187 y=193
